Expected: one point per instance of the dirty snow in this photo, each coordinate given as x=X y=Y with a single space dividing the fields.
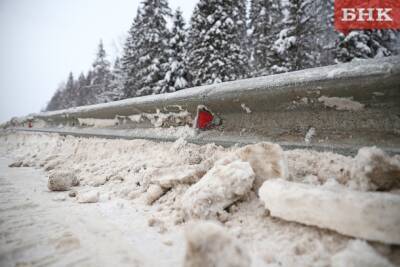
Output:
x=341 y=103
x=131 y=174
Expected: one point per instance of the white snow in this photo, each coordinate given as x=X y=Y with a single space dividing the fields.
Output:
x=358 y=253
x=209 y=244
x=88 y=197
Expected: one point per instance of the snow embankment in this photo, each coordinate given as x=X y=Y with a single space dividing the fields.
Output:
x=174 y=183
x=368 y=215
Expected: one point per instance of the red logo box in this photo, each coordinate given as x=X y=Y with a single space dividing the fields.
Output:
x=366 y=15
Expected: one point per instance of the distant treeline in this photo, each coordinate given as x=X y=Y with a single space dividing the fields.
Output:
x=223 y=42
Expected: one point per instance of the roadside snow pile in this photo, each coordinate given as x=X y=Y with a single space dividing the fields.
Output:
x=210 y=245
x=173 y=183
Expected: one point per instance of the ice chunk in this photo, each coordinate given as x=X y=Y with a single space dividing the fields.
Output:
x=88 y=197
x=368 y=215
x=62 y=181
x=225 y=183
x=209 y=244
x=267 y=160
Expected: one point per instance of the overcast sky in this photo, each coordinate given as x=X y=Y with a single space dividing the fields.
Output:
x=41 y=41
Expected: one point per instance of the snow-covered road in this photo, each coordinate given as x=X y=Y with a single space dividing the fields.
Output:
x=43 y=228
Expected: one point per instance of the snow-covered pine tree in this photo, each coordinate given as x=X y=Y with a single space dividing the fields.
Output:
x=69 y=93
x=151 y=48
x=176 y=73
x=296 y=47
x=216 y=46
x=264 y=21
x=130 y=58
x=55 y=102
x=366 y=44
x=101 y=66
x=82 y=90
x=115 y=91
x=101 y=75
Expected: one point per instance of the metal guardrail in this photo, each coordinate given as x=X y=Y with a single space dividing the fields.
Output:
x=345 y=105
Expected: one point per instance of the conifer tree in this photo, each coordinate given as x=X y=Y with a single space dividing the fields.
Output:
x=147 y=49
x=265 y=17
x=366 y=44
x=69 y=93
x=116 y=89
x=216 y=46
x=55 y=102
x=296 y=47
x=100 y=76
x=176 y=73
x=82 y=90
x=130 y=58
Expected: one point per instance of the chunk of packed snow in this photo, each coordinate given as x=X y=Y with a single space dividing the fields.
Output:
x=179 y=175
x=374 y=170
x=369 y=215
x=88 y=197
x=359 y=254
x=267 y=161
x=62 y=180
x=208 y=245
x=154 y=192
x=225 y=183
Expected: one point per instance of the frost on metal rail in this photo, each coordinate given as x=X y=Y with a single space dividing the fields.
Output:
x=352 y=104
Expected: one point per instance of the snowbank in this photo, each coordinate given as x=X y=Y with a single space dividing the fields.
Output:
x=180 y=179
x=367 y=215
